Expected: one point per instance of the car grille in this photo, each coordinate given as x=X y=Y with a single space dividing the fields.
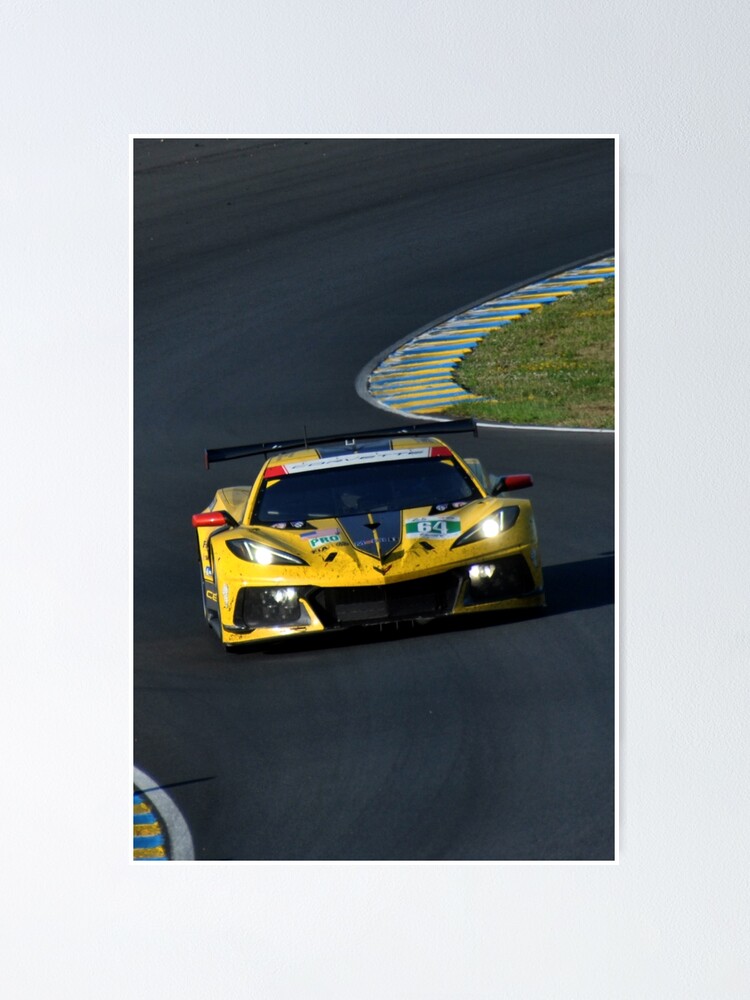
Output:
x=423 y=598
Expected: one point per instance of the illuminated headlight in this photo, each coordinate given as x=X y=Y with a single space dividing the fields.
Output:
x=481 y=571
x=281 y=604
x=263 y=555
x=284 y=595
x=490 y=527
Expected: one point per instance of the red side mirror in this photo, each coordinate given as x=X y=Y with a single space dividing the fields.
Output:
x=521 y=481
x=209 y=519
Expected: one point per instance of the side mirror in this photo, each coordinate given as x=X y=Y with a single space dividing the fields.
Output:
x=213 y=519
x=505 y=484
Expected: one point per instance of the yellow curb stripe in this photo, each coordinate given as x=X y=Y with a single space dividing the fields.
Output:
x=414 y=384
x=140 y=853
x=146 y=829
x=445 y=337
x=541 y=294
x=581 y=281
x=484 y=330
x=487 y=318
x=453 y=352
x=420 y=391
x=413 y=366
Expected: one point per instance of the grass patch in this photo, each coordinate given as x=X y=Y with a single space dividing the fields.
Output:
x=553 y=366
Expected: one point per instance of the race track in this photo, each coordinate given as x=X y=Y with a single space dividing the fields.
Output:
x=267 y=273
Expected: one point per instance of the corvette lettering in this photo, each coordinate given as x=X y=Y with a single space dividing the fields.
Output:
x=384 y=540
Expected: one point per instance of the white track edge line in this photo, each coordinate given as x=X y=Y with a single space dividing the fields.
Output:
x=180 y=840
x=433 y=418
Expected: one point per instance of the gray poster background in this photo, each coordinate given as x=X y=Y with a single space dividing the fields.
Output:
x=671 y=919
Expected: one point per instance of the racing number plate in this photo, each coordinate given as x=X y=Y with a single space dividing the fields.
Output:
x=433 y=527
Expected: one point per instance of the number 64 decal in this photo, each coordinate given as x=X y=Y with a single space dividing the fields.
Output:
x=433 y=527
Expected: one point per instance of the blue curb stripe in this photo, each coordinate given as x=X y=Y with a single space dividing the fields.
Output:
x=538 y=300
x=394 y=383
x=511 y=313
x=457 y=393
x=454 y=392
x=419 y=376
x=404 y=361
x=456 y=339
x=485 y=324
x=415 y=378
x=403 y=371
x=432 y=348
x=155 y=842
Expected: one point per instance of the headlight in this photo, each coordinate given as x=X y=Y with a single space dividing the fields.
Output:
x=490 y=527
x=263 y=555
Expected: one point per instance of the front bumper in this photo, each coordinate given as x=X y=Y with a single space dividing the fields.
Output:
x=508 y=581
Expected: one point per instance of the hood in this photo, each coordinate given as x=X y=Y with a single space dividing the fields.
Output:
x=377 y=541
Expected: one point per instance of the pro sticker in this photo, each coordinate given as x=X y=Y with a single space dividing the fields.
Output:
x=323 y=538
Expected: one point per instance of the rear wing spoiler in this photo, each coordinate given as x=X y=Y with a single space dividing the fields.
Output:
x=264 y=447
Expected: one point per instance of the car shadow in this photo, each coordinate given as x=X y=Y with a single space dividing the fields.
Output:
x=576 y=586
x=569 y=587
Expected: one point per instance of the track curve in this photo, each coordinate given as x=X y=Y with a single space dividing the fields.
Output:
x=266 y=274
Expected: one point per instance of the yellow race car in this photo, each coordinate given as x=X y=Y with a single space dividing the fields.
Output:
x=380 y=526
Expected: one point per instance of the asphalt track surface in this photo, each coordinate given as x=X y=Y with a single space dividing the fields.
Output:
x=267 y=274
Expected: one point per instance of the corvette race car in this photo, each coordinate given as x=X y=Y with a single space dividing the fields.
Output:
x=380 y=526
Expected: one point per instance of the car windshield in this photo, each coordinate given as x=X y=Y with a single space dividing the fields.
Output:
x=360 y=489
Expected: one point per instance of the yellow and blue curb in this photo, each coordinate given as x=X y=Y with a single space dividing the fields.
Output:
x=419 y=377
x=149 y=840
x=160 y=832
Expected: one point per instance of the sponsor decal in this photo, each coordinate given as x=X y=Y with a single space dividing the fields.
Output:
x=432 y=527
x=321 y=538
x=383 y=539
x=350 y=458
